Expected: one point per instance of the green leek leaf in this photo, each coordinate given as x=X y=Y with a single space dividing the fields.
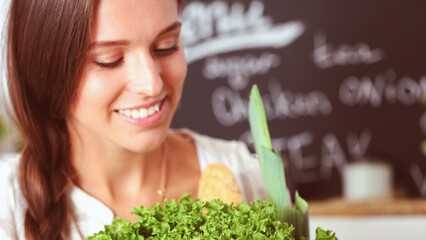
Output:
x=257 y=120
x=274 y=179
x=273 y=173
x=302 y=207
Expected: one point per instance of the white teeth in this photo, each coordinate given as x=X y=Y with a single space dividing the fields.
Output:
x=142 y=112
x=135 y=114
x=151 y=111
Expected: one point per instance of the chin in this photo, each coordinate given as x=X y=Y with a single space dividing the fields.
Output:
x=146 y=142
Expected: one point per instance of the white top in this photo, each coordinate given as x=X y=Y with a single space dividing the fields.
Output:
x=92 y=214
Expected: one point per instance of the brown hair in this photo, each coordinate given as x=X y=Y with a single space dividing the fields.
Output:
x=46 y=44
x=45 y=54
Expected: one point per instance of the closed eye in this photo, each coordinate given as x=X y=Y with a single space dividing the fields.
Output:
x=109 y=64
x=162 y=52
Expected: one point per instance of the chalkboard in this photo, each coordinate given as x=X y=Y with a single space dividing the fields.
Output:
x=340 y=80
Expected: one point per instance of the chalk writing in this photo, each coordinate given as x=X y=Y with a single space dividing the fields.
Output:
x=419 y=178
x=293 y=105
x=229 y=107
x=295 y=144
x=366 y=90
x=357 y=145
x=317 y=166
x=238 y=69
x=204 y=20
x=332 y=156
x=223 y=33
x=214 y=28
x=326 y=55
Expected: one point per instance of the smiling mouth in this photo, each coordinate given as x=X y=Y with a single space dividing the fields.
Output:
x=141 y=113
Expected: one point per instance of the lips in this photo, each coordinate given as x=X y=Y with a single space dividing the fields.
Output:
x=141 y=112
x=144 y=115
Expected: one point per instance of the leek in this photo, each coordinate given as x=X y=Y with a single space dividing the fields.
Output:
x=273 y=172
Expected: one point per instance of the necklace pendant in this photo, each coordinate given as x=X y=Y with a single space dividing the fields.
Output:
x=161 y=192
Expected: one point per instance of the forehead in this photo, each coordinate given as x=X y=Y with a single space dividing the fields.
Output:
x=133 y=19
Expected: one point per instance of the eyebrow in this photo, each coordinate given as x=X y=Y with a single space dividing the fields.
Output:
x=170 y=28
x=102 y=44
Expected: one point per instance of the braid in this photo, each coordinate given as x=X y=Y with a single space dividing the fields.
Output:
x=46 y=46
x=44 y=184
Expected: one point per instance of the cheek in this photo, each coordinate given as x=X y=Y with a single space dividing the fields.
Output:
x=175 y=74
x=94 y=95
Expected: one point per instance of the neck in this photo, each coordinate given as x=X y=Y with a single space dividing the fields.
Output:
x=112 y=173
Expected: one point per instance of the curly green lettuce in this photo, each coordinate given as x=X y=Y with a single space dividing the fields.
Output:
x=191 y=219
x=325 y=234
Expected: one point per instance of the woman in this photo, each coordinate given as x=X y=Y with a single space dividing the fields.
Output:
x=94 y=86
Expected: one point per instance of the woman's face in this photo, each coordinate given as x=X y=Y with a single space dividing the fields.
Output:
x=133 y=75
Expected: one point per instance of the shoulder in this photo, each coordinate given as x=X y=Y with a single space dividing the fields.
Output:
x=11 y=202
x=9 y=164
x=211 y=149
x=236 y=156
x=9 y=184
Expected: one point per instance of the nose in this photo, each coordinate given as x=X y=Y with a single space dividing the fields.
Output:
x=145 y=75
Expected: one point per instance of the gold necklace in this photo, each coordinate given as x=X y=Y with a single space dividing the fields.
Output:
x=162 y=189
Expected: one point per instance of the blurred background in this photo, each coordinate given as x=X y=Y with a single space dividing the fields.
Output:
x=343 y=85
x=342 y=82
x=9 y=139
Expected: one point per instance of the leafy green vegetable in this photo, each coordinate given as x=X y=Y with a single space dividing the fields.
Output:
x=302 y=208
x=324 y=234
x=273 y=170
x=257 y=120
x=191 y=219
x=185 y=220
x=272 y=167
x=270 y=162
